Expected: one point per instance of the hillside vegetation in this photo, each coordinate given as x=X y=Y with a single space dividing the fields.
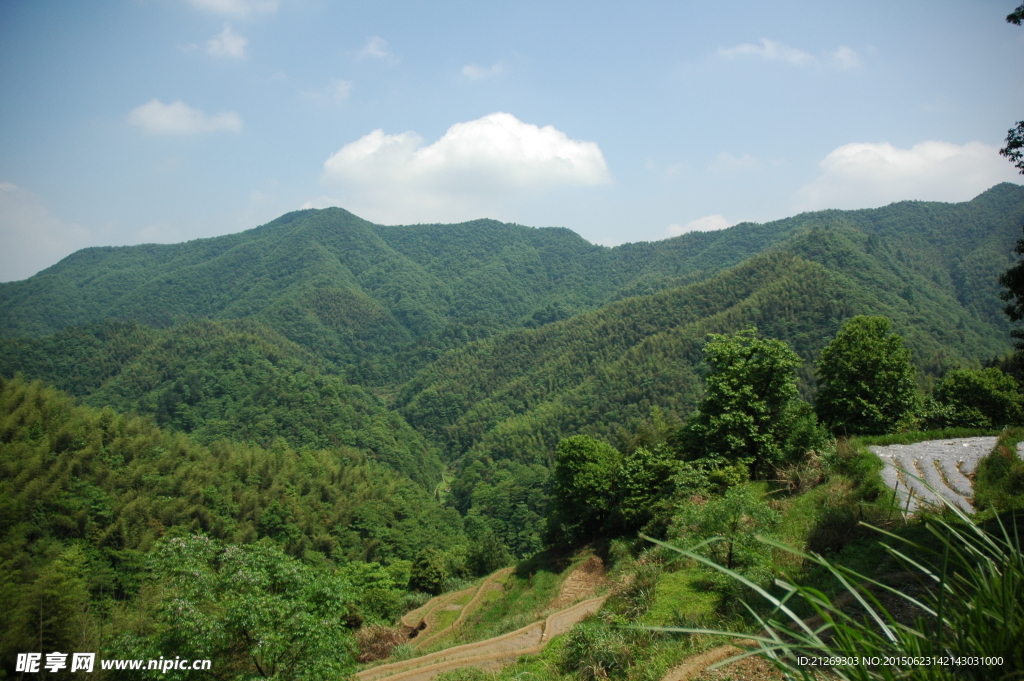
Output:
x=360 y=416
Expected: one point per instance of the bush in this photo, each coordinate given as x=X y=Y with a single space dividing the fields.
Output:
x=725 y=529
x=971 y=398
x=376 y=642
x=999 y=480
x=595 y=652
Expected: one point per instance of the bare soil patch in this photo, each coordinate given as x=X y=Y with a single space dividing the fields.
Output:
x=583 y=582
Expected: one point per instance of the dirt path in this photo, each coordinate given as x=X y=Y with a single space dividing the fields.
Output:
x=487 y=585
x=495 y=652
x=693 y=666
x=582 y=582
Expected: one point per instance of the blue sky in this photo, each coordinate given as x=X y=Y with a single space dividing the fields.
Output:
x=137 y=121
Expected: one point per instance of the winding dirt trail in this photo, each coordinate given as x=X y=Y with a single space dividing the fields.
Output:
x=432 y=634
x=491 y=653
x=501 y=650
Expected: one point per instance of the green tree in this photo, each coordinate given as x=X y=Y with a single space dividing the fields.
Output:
x=751 y=399
x=867 y=380
x=732 y=522
x=583 y=487
x=51 y=610
x=974 y=398
x=1013 y=278
x=644 y=484
x=429 y=571
x=252 y=609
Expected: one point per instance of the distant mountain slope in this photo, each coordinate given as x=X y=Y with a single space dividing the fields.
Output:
x=932 y=268
x=245 y=335
x=354 y=292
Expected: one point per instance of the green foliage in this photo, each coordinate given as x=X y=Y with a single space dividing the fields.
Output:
x=583 y=485
x=252 y=610
x=643 y=485
x=486 y=552
x=85 y=494
x=868 y=382
x=429 y=571
x=725 y=528
x=999 y=479
x=377 y=592
x=509 y=497
x=51 y=612
x=968 y=601
x=595 y=652
x=972 y=398
x=216 y=380
x=1015 y=135
x=750 y=406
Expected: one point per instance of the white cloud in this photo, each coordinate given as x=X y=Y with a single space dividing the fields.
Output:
x=481 y=167
x=376 y=47
x=236 y=8
x=729 y=162
x=768 y=49
x=843 y=58
x=864 y=175
x=338 y=91
x=708 y=223
x=32 y=238
x=227 y=43
x=474 y=72
x=177 y=118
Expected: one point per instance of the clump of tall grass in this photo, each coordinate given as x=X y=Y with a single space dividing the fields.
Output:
x=967 y=607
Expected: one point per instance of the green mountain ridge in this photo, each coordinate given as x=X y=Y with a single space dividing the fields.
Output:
x=354 y=292
x=327 y=392
x=480 y=345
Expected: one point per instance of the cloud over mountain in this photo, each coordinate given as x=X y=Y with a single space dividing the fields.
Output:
x=33 y=238
x=476 y=168
x=864 y=175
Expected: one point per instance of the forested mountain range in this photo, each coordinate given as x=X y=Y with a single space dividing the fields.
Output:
x=478 y=346
x=378 y=302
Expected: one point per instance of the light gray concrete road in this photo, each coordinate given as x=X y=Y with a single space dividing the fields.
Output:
x=944 y=464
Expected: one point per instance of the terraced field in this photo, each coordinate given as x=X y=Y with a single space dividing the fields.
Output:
x=442 y=616
x=945 y=465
